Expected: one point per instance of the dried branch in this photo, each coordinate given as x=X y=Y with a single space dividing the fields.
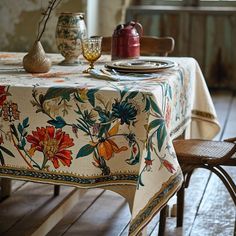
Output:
x=52 y=4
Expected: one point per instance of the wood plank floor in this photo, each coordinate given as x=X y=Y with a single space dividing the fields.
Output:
x=209 y=211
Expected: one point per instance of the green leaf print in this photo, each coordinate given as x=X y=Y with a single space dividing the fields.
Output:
x=59 y=122
x=55 y=92
x=85 y=151
x=161 y=134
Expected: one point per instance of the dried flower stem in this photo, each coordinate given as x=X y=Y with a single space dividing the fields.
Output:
x=52 y=4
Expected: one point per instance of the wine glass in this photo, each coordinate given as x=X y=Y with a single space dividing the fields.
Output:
x=92 y=50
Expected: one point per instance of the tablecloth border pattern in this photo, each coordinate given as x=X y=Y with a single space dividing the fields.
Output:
x=203 y=114
x=153 y=206
x=69 y=179
x=168 y=189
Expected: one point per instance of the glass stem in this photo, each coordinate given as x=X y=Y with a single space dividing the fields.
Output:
x=91 y=65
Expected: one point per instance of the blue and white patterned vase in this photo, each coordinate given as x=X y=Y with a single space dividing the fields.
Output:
x=70 y=30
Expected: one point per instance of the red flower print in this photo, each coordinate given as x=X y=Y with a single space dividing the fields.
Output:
x=134 y=149
x=148 y=163
x=3 y=95
x=168 y=166
x=53 y=144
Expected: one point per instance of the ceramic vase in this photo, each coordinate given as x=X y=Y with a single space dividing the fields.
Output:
x=70 y=30
x=35 y=61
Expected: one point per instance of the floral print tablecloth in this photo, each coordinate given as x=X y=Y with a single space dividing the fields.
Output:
x=69 y=128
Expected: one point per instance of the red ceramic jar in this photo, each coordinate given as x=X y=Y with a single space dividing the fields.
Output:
x=126 y=41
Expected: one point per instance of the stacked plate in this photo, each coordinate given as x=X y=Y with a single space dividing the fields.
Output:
x=140 y=66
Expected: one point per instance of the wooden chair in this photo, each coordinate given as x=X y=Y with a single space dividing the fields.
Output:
x=149 y=45
x=211 y=155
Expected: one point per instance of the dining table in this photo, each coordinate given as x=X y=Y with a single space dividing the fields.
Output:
x=103 y=130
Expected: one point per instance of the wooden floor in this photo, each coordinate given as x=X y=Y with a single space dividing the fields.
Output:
x=209 y=210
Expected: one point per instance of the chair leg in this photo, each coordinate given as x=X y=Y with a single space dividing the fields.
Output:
x=224 y=178
x=5 y=188
x=188 y=177
x=162 y=222
x=227 y=176
x=56 y=190
x=180 y=206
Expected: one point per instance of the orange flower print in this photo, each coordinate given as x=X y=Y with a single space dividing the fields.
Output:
x=107 y=148
x=53 y=144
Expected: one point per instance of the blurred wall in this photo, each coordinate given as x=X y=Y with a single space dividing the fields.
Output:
x=112 y=13
x=19 y=20
x=207 y=34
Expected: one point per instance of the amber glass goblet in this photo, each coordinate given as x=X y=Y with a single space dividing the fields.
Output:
x=92 y=50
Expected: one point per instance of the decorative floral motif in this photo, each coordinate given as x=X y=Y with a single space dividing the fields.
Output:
x=101 y=122
x=101 y=126
x=157 y=130
x=98 y=123
x=125 y=111
x=53 y=144
x=10 y=111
